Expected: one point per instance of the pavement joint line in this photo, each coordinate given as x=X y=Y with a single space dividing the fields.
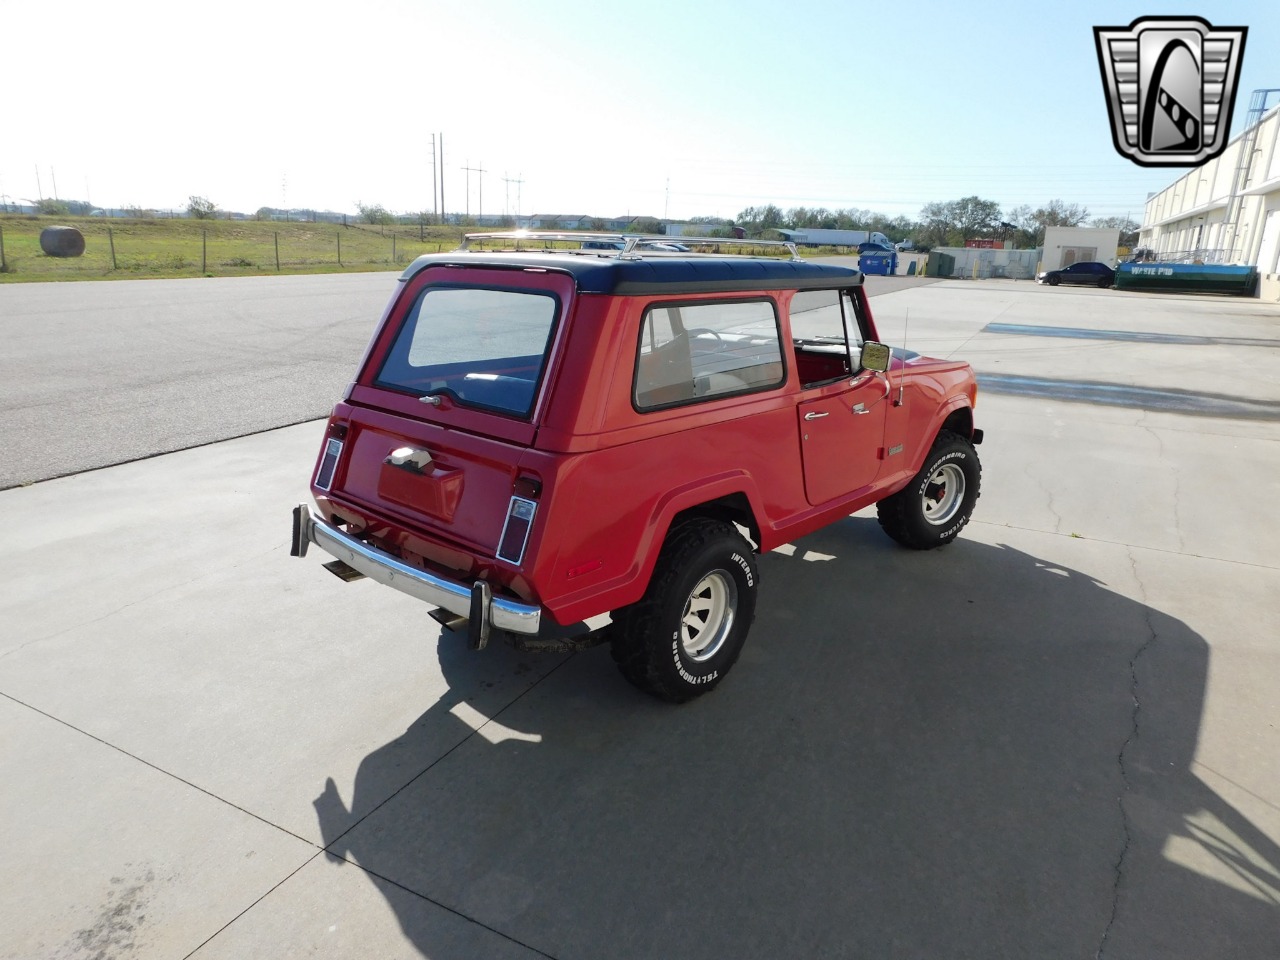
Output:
x=21 y=484
x=429 y=767
x=326 y=849
x=319 y=849
x=292 y=873
x=158 y=769
x=1239 y=786
x=434 y=902
x=1121 y=543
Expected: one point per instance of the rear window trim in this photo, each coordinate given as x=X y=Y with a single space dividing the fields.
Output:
x=553 y=333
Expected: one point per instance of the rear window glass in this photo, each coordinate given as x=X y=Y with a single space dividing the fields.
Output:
x=482 y=347
x=697 y=351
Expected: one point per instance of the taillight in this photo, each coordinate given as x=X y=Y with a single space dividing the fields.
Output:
x=515 y=532
x=328 y=463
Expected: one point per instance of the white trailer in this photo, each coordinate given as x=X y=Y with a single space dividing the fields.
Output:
x=814 y=237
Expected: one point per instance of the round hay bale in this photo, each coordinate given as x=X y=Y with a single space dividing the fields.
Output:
x=62 y=241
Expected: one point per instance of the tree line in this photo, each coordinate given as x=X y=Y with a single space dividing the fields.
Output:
x=941 y=224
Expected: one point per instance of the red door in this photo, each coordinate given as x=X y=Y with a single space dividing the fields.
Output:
x=841 y=433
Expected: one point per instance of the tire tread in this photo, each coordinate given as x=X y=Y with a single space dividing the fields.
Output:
x=638 y=658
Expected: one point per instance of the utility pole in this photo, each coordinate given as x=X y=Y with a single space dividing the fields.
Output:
x=444 y=211
x=507 y=200
x=435 y=210
x=480 y=170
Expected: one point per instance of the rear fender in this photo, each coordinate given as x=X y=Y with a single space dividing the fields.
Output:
x=731 y=496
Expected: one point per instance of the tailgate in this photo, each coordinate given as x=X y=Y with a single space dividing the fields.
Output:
x=431 y=479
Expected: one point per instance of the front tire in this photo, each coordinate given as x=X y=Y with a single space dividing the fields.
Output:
x=684 y=634
x=933 y=508
x=1053 y=281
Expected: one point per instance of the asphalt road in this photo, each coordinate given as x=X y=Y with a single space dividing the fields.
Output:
x=1055 y=738
x=99 y=373
x=94 y=374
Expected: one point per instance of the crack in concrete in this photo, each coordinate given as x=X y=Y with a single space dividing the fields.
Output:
x=1177 y=485
x=1133 y=734
x=1048 y=490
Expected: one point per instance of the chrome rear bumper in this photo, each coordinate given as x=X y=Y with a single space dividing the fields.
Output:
x=474 y=601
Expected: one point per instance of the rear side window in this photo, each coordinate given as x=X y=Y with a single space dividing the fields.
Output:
x=697 y=351
x=484 y=348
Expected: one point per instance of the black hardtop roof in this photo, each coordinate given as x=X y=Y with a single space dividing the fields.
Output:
x=664 y=273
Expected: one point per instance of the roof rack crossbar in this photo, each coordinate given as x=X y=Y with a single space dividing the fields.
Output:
x=633 y=244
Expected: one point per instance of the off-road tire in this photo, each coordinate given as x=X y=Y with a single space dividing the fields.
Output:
x=930 y=511
x=654 y=641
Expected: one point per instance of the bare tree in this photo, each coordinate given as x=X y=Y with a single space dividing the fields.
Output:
x=1129 y=229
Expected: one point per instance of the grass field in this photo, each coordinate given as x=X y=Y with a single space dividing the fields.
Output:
x=215 y=248
x=118 y=249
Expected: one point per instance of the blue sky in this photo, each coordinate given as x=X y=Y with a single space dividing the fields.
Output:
x=663 y=108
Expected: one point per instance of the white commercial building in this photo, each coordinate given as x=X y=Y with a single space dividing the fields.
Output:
x=1228 y=210
x=1064 y=246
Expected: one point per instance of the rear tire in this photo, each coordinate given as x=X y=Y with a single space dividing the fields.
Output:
x=933 y=508
x=684 y=634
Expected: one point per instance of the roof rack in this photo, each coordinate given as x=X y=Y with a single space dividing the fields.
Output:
x=634 y=245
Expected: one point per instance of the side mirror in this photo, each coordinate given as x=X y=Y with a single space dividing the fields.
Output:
x=875 y=356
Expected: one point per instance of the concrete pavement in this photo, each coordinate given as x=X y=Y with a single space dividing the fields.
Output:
x=1055 y=738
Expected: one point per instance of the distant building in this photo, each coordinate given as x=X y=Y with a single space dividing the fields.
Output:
x=1228 y=210
x=557 y=221
x=1064 y=246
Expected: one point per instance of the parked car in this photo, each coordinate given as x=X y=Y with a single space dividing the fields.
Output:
x=1087 y=273
x=537 y=438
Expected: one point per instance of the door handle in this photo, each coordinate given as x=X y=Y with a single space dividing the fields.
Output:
x=860 y=408
x=814 y=415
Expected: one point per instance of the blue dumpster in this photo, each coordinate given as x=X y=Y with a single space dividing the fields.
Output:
x=885 y=263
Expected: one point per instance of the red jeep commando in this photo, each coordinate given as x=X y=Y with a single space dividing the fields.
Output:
x=542 y=434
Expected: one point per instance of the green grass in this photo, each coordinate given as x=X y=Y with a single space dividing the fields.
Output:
x=227 y=248
x=231 y=248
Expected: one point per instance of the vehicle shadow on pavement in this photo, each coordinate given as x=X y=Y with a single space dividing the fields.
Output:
x=964 y=753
